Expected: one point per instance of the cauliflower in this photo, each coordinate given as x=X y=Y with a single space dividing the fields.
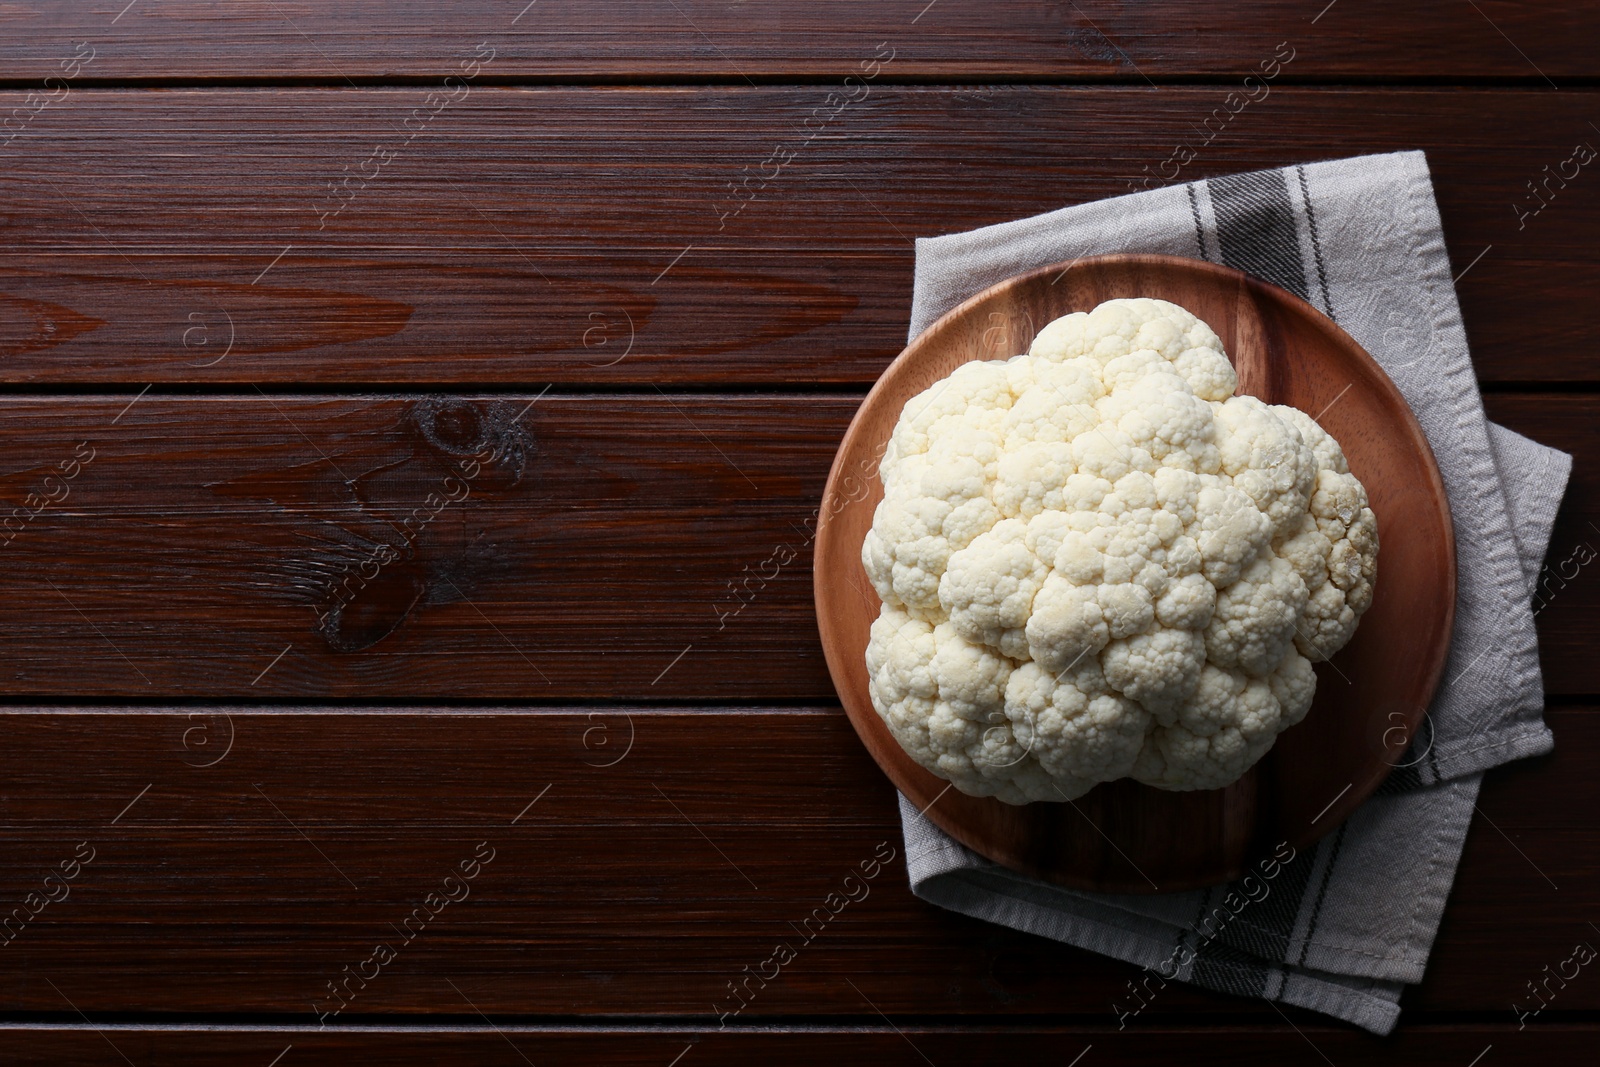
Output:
x=1096 y=562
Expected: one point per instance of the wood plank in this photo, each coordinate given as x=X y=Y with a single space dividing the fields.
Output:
x=700 y=38
x=201 y=551
x=905 y=1045
x=239 y=859
x=580 y=235
x=342 y=547
x=1568 y=603
x=603 y=898
x=1523 y=857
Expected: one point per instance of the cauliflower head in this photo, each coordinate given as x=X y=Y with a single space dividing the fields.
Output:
x=1097 y=562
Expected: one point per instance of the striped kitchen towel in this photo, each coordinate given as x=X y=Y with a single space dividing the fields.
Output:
x=1343 y=925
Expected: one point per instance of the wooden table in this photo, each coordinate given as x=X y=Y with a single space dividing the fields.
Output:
x=282 y=659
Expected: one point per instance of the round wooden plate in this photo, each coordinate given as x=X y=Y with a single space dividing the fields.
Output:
x=1371 y=697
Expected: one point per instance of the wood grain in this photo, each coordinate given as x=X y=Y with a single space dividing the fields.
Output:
x=208 y=533
x=1567 y=604
x=604 y=898
x=907 y=1045
x=589 y=235
x=339 y=546
x=1285 y=352
x=702 y=39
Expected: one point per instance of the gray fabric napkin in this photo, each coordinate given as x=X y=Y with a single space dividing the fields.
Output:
x=1342 y=926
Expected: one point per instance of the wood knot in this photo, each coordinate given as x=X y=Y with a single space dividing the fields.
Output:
x=490 y=434
x=372 y=609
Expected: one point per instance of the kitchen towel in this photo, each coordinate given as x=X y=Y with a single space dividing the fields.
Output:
x=1342 y=926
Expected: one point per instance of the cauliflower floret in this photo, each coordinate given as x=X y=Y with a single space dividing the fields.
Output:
x=1053 y=403
x=1075 y=727
x=1333 y=546
x=1327 y=451
x=1266 y=458
x=944 y=700
x=900 y=657
x=975 y=394
x=1255 y=618
x=989 y=586
x=1095 y=562
x=1159 y=669
x=1294 y=683
x=1067 y=623
x=1229 y=530
x=1118 y=327
x=1188 y=603
x=1160 y=415
x=1219 y=733
x=1033 y=479
x=938 y=503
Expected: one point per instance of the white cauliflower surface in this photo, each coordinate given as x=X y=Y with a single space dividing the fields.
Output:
x=1097 y=562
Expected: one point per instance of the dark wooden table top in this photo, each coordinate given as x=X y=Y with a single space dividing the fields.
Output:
x=280 y=657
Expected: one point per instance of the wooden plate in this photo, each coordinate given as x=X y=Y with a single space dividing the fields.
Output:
x=1371 y=697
